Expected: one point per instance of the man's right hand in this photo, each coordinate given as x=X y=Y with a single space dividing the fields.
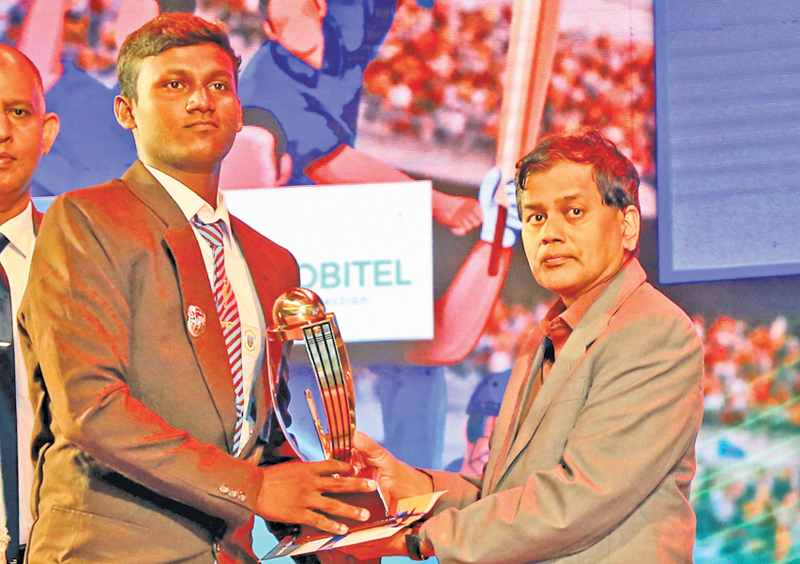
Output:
x=292 y=493
x=397 y=479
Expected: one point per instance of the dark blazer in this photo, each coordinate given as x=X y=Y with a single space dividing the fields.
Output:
x=599 y=469
x=135 y=415
x=9 y=467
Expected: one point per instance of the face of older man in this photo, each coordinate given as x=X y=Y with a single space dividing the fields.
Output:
x=573 y=240
x=26 y=131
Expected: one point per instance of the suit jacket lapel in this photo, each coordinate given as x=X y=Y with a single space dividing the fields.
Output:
x=181 y=243
x=531 y=354
x=587 y=331
x=267 y=291
x=9 y=468
x=559 y=373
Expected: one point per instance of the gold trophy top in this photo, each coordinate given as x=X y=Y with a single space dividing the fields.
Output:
x=295 y=309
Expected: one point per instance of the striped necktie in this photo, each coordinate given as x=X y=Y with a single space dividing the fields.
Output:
x=8 y=417
x=228 y=312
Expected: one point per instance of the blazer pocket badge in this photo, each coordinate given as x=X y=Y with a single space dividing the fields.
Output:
x=195 y=321
x=249 y=340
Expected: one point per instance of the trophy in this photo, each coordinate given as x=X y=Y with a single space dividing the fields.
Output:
x=300 y=314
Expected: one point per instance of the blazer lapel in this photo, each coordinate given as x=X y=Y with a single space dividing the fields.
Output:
x=559 y=373
x=505 y=431
x=587 y=331
x=259 y=265
x=266 y=291
x=180 y=241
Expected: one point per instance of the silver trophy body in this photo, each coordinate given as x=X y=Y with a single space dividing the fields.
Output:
x=300 y=314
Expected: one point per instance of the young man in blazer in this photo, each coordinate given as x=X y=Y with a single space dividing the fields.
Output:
x=593 y=453
x=143 y=330
x=26 y=133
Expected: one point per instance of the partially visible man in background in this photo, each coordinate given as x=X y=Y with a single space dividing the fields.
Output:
x=26 y=133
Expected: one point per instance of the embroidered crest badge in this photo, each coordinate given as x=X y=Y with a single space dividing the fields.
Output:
x=195 y=321
x=249 y=340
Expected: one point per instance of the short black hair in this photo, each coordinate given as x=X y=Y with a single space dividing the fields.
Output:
x=613 y=172
x=166 y=32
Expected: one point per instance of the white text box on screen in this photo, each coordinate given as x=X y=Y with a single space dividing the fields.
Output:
x=366 y=249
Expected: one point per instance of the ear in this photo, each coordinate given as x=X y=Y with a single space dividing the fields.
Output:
x=123 y=110
x=50 y=129
x=239 y=116
x=286 y=170
x=269 y=31
x=631 y=225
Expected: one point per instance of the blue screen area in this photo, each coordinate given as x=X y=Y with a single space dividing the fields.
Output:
x=42 y=203
x=728 y=137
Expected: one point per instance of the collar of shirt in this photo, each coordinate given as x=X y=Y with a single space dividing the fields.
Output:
x=190 y=203
x=560 y=321
x=19 y=231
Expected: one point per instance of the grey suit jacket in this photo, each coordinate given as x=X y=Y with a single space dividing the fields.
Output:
x=599 y=470
x=135 y=414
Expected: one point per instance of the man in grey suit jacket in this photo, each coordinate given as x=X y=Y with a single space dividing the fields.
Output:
x=593 y=452
x=144 y=341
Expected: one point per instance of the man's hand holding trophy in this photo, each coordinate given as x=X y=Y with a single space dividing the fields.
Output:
x=300 y=315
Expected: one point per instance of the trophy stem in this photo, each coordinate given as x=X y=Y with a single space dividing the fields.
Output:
x=324 y=441
x=300 y=314
x=324 y=356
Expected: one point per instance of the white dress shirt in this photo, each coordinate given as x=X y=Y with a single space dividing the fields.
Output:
x=250 y=313
x=16 y=261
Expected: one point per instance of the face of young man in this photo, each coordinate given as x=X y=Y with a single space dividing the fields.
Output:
x=187 y=112
x=26 y=132
x=574 y=241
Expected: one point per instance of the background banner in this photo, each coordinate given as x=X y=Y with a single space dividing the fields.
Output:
x=364 y=249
